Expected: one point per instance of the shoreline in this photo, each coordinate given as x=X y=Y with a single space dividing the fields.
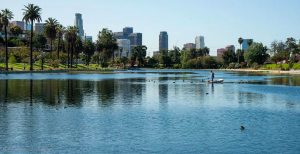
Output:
x=291 y=72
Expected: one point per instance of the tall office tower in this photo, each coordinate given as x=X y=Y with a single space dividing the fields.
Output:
x=119 y=35
x=136 y=39
x=79 y=24
x=39 y=28
x=245 y=44
x=163 y=41
x=127 y=31
x=199 y=41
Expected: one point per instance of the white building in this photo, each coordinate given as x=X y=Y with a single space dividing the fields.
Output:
x=199 y=41
x=124 y=48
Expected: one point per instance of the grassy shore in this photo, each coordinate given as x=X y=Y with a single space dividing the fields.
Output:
x=23 y=67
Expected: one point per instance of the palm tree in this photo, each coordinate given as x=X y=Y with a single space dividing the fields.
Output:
x=60 y=32
x=32 y=13
x=241 y=40
x=6 y=15
x=250 y=42
x=51 y=30
x=71 y=35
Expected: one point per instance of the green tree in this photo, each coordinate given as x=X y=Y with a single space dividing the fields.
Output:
x=39 y=41
x=88 y=50
x=139 y=54
x=257 y=53
x=107 y=43
x=240 y=55
x=32 y=13
x=249 y=42
x=175 y=55
x=164 y=58
x=16 y=30
x=71 y=36
x=229 y=57
x=60 y=32
x=51 y=30
x=6 y=15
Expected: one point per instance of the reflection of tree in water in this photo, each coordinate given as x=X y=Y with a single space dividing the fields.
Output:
x=106 y=91
x=247 y=97
x=291 y=81
x=74 y=95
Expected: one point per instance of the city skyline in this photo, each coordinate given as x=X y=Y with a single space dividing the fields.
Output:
x=256 y=19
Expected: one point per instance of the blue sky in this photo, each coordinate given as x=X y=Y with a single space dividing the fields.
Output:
x=220 y=21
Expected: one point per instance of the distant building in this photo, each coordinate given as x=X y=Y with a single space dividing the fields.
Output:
x=79 y=24
x=245 y=45
x=119 y=35
x=156 y=53
x=136 y=39
x=20 y=24
x=189 y=46
x=163 y=41
x=127 y=31
x=230 y=48
x=27 y=26
x=39 y=28
x=89 y=38
x=220 y=52
x=124 y=48
x=199 y=41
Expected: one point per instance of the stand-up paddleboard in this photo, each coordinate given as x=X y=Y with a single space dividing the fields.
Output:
x=216 y=81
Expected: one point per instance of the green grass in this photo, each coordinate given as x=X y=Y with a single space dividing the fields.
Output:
x=295 y=66
x=37 y=66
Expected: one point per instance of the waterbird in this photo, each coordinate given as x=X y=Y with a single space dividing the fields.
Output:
x=242 y=128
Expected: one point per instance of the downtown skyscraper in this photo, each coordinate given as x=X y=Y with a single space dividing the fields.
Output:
x=199 y=41
x=79 y=24
x=163 y=41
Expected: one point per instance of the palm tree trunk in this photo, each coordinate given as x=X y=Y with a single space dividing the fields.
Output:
x=72 y=50
x=30 y=54
x=69 y=55
x=58 y=47
x=51 y=46
x=6 y=49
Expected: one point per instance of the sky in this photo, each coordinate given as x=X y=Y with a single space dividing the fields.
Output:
x=221 y=22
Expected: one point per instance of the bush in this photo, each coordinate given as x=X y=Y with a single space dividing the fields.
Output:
x=12 y=59
x=54 y=63
x=231 y=66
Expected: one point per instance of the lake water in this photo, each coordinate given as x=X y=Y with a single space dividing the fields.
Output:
x=149 y=111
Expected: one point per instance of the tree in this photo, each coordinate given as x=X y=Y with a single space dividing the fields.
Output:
x=51 y=30
x=240 y=40
x=16 y=30
x=71 y=35
x=32 y=13
x=88 y=50
x=240 y=55
x=164 y=58
x=205 y=51
x=60 y=32
x=257 y=53
x=107 y=43
x=6 y=15
x=249 y=42
x=139 y=54
x=39 y=41
x=175 y=55
x=229 y=57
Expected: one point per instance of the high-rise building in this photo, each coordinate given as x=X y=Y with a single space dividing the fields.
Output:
x=79 y=24
x=163 y=41
x=199 y=41
x=220 y=52
x=245 y=44
x=39 y=27
x=136 y=39
x=230 y=48
x=20 y=24
x=124 y=48
x=189 y=46
x=119 y=35
x=89 y=38
x=127 y=31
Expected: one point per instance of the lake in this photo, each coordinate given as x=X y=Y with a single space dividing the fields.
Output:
x=149 y=111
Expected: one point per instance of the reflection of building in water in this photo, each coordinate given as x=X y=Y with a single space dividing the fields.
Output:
x=163 y=91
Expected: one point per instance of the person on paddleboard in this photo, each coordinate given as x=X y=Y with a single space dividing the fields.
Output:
x=212 y=76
